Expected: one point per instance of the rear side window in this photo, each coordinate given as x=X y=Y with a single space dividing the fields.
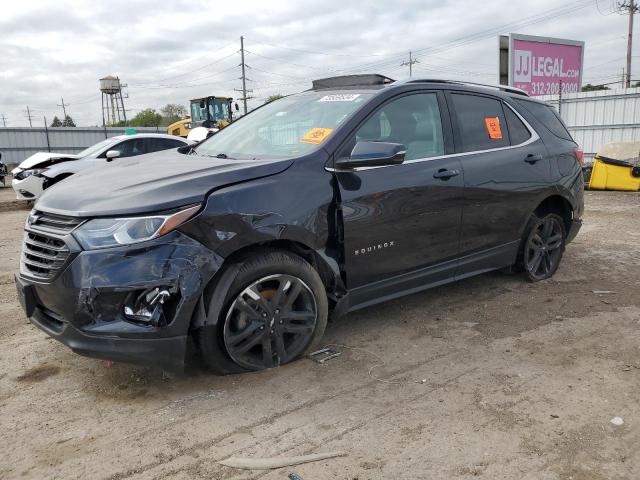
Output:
x=157 y=144
x=481 y=122
x=518 y=132
x=547 y=115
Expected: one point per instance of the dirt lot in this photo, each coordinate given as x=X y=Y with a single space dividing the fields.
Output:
x=491 y=377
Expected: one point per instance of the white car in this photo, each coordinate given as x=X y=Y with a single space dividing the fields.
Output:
x=44 y=169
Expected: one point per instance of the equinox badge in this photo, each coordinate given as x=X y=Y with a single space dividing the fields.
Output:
x=373 y=248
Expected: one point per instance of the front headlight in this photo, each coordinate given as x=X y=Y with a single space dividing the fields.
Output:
x=112 y=232
x=27 y=173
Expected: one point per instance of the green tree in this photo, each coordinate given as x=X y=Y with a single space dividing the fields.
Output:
x=68 y=122
x=172 y=112
x=271 y=98
x=56 y=122
x=591 y=88
x=145 y=118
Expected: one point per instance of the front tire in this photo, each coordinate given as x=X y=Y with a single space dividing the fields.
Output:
x=543 y=247
x=275 y=310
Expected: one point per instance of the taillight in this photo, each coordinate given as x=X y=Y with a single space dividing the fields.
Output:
x=579 y=156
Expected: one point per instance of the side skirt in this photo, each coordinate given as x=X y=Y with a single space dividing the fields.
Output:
x=429 y=277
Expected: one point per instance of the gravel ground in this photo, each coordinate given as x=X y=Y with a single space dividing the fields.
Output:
x=491 y=377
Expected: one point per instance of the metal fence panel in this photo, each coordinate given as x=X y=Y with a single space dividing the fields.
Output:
x=18 y=143
x=603 y=116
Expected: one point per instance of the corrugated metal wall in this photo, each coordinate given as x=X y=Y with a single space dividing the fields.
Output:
x=596 y=118
x=16 y=144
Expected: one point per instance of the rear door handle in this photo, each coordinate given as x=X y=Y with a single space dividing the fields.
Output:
x=532 y=158
x=444 y=174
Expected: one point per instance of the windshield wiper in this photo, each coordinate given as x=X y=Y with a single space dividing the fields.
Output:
x=222 y=155
x=187 y=150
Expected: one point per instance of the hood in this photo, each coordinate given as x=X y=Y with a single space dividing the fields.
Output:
x=150 y=183
x=42 y=157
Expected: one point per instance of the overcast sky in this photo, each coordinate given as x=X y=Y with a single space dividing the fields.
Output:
x=169 y=52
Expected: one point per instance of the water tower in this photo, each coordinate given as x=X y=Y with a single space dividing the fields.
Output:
x=112 y=103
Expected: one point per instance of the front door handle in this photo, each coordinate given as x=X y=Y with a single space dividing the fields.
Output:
x=532 y=158
x=444 y=174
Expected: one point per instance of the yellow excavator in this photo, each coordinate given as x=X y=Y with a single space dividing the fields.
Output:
x=210 y=112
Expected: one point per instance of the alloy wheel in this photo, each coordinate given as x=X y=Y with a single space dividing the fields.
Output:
x=270 y=322
x=543 y=249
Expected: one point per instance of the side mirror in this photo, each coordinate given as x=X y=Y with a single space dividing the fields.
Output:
x=373 y=154
x=111 y=154
x=236 y=106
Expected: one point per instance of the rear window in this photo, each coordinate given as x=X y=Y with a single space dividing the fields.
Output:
x=547 y=115
x=481 y=122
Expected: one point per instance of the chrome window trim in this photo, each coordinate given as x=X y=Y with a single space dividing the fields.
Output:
x=533 y=138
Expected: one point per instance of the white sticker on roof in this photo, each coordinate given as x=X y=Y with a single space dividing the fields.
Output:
x=340 y=97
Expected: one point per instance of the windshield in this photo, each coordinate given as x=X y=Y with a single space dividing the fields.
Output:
x=94 y=149
x=198 y=114
x=219 y=110
x=289 y=127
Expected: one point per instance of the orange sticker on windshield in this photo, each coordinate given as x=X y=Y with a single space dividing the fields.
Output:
x=316 y=135
x=493 y=128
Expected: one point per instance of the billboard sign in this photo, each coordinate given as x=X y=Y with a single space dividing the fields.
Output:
x=541 y=65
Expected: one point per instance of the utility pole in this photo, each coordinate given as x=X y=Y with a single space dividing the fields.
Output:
x=631 y=7
x=29 y=116
x=410 y=63
x=4 y=119
x=46 y=132
x=243 y=78
x=63 y=105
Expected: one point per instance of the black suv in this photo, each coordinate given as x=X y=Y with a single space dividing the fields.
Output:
x=354 y=192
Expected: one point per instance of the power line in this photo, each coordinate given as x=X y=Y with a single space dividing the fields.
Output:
x=318 y=53
x=186 y=83
x=190 y=72
x=600 y=11
x=199 y=57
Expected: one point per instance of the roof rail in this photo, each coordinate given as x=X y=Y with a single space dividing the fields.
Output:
x=504 y=88
x=351 y=81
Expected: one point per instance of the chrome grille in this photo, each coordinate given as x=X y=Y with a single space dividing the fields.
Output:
x=50 y=223
x=43 y=256
x=44 y=253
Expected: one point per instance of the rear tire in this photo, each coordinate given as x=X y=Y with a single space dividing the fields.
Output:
x=275 y=311
x=542 y=246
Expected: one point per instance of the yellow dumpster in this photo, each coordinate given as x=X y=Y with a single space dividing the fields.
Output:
x=616 y=168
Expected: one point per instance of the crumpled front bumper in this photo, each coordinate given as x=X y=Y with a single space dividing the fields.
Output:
x=83 y=305
x=29 y=188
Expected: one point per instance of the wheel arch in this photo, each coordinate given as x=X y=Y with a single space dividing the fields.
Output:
x=213 y=294
x=556 y=204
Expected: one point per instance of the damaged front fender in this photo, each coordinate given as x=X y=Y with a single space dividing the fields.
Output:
x=86 y=303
